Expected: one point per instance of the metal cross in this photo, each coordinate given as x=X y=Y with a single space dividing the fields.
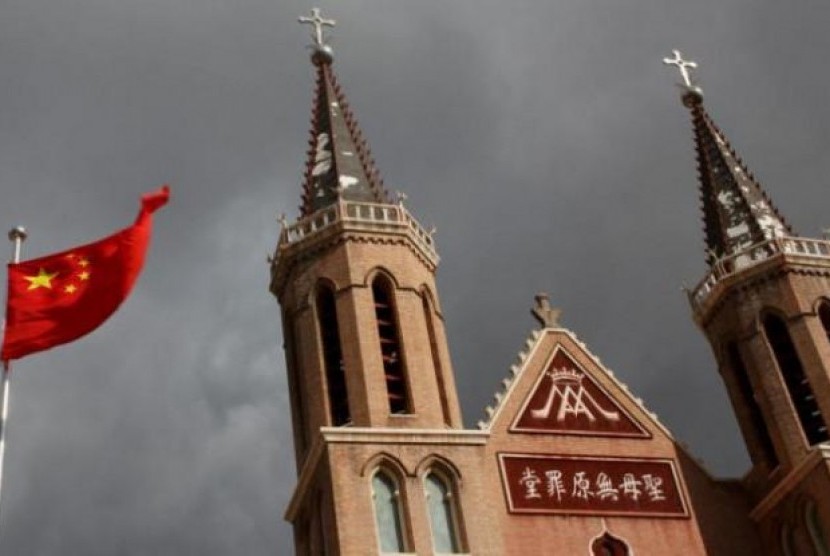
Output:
x=318 y=22
x=682 y=65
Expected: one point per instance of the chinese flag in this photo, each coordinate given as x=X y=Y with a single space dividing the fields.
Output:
x=56 y=299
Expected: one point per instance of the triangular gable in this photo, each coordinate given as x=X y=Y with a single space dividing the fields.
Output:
x=567 y=399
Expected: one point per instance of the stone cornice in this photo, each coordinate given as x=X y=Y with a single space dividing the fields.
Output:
x=818 y=455
x=376 y=436
x=349 y=222
x=759 y=263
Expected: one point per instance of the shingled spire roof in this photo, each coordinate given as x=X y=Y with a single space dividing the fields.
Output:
x=339 y=163
x=737 y=212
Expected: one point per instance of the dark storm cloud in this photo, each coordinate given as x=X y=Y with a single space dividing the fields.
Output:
x=545 y=140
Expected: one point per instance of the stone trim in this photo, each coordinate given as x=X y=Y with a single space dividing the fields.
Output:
x=784 y=487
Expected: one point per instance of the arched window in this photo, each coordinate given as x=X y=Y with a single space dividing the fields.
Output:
x=386 y=498
x=816 y=530
x=824 y=316
x=787 y=543
x=429 y=315
x=756 y=418
x=390 y=344
x=443 y=514
x=609 y=545
x=798 y=387
x=333 y=357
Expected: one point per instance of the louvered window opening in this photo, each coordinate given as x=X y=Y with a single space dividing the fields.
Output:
x=390 y=347
x=756 y=418
x=333 y=358
x=824 y=316
x=798 y=387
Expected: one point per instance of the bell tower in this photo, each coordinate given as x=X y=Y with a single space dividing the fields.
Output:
x=764 y=306
x=355 y=279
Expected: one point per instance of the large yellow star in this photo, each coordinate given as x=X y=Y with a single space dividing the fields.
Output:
x=42 y=280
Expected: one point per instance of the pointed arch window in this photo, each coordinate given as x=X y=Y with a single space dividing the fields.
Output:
x=609 y=545
x=444 y=514
x=756 y=418
x=824 y=316
x=816 y=531
x=332 y=357
x=798 y=387
x=429 y=316
x=390 y=345
x=387 y=506
x=786 y=539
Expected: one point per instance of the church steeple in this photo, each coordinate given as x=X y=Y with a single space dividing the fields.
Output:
x=737 y=212
x=339 y=164
x=355 y=278
x=760 y=306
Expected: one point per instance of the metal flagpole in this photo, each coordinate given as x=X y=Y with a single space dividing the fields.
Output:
x=16 y=235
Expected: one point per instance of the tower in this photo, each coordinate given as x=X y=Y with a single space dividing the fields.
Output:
x=764 y=306
x=363 y=331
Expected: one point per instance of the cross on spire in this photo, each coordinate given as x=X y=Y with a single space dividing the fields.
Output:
x=318 y=22
x=682 y=66
x=547 y=316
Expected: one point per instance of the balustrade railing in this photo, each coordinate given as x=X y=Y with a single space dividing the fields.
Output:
x=753 y=255
x=375 y=215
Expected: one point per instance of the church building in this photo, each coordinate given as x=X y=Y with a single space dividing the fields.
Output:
x=567 y=460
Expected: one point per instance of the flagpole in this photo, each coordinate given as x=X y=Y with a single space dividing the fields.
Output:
x=16 y=235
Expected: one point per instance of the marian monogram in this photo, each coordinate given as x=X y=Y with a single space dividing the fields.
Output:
x=568 y=399
x=571 y=398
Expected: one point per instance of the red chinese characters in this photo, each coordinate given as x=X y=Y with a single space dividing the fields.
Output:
x=591 y=485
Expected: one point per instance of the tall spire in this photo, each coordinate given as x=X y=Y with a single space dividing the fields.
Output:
x=339 y=164
x=737 y=213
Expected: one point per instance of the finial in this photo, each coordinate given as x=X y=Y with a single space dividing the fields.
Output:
x=283 y=220
x=401 y=197
x=17 y=236
x=18 y=233
x=547 y=316
x=826 y=233
x=691 y=92
x=323 y=54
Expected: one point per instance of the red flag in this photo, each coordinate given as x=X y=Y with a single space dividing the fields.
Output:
x=56 y=299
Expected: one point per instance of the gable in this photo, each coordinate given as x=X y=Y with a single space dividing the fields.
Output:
x=567 y=438
x=585 y=398
x=566 y=399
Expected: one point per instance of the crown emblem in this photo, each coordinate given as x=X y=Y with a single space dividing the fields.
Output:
x=565 y=376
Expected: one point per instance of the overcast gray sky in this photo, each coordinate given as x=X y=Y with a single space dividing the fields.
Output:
x=544 y=139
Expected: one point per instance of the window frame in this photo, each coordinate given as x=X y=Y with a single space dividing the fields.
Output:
x=399 y=497
x=450 y=483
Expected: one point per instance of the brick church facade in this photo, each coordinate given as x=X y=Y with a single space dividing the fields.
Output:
x=568 y=461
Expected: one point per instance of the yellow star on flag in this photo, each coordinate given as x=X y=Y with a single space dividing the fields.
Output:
x=42 y=280
x=83 y=263
x=84 y=275
x=70 y=288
